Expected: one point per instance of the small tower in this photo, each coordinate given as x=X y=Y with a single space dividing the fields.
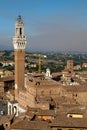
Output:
x=48 y=75
x=19 y=43
x=70 y=65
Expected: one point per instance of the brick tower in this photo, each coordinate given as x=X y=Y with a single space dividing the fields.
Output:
x=70 y=65
x=19 y=42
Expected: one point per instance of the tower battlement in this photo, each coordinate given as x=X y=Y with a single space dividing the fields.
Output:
x=19 y=42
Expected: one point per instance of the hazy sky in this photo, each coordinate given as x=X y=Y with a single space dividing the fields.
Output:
x=50 y=25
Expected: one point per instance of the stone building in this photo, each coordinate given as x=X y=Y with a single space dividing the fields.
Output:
x=67 y=117
x=33 y=91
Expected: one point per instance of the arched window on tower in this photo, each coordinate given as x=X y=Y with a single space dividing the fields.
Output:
x=20 y=31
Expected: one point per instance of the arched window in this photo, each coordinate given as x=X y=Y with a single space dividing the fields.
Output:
x=20 y=31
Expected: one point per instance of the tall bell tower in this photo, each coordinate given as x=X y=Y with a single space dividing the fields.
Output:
x=19 y=43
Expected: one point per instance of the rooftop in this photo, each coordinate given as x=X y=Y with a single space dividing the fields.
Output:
x=76 y=88
x=69 y=122
x=41 y=82
x=28 y=125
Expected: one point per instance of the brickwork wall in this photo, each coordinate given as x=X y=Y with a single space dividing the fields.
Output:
x=19 y=68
